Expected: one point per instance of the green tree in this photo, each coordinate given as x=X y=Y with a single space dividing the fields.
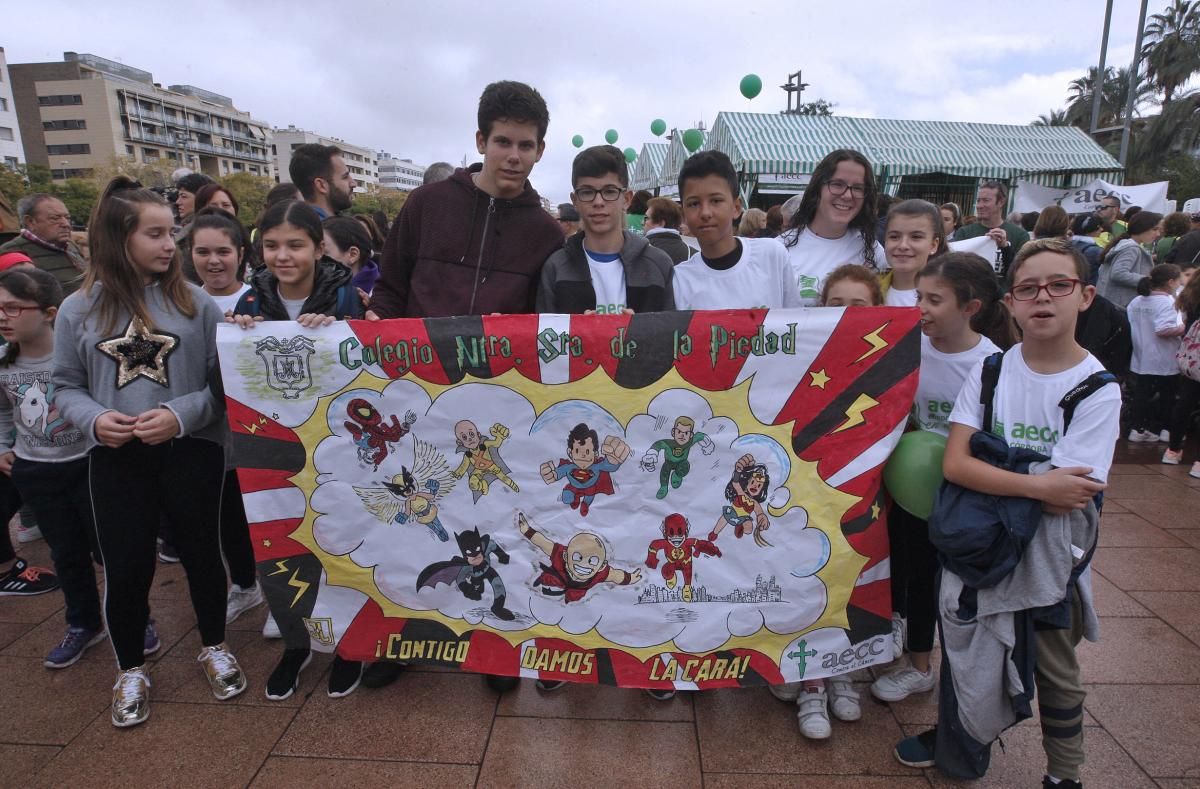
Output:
x=390 y=201
x=820 y=107
x=251 y=193
x=1172 y=47
x=1114 y=91
x=1053 y=118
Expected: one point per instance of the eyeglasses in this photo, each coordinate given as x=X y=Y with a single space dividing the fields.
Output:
x=1057 y=289
x=587 y=194
x=14 y=310
x=839 y=188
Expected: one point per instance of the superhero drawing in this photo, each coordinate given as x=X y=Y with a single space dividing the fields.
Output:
x=587 y=468
x=413 y=496
x=675 y=451
x=746 y=491
x=678 y=549
x=470 y=570
x=481 y=461
x=576 y=568
x=371 y=434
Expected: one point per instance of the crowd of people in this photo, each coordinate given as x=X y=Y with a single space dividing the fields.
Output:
x=95 y=427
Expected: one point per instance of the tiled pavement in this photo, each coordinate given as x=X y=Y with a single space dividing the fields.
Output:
x=437 y=728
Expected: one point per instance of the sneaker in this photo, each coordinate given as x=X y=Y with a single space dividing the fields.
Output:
x=1172 y=458
x=916 y=751
x=167 y=553
x=814 y=715
x=28 y=534
x=224 y=675
x=899 y=630
x=1165 y=436
x=381 y=674
x=344 y=677
x=76 y=641
x=150 y=640
x=1195 y=472
x=1142 y=436
x=26 y=580
x=501 y=684
x=271 y=627
x=285 y=679
x=901 y=683
x=550 y=685
x=788 y=691
x=131 y=698
x=242 y=600
x=1048 y=783
x=660 y=694
x=843 y=700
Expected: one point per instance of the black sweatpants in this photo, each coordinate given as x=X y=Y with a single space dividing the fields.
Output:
x=914 y=576
x=1187 y=400
x=1150 y=413
x=61 y=501
x=235 y=534
x=131 y=488
x=10 y=502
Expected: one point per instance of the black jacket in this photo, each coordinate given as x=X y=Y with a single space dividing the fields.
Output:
x=566 y=284
x=1103 y=329
x=671 y=243
x=332 y=294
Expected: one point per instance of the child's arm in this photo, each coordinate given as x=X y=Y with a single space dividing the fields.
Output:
x=72 y=395
x=196 y=409
x=1060 y=489
x=8 y=434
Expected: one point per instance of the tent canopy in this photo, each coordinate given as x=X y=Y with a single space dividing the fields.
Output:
x=648 y=167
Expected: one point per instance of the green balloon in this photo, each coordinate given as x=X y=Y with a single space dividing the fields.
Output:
x=913 y=473
x=630 y=155
x=692 y=140
x=657 y=127
x=577 y=141
x=611 y=136
x=751 y=86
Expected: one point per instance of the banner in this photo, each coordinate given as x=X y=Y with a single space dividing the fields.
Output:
x=685 y=499
x=1084 y=199
x=982 y=246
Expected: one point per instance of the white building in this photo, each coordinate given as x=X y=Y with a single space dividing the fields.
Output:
x=12 y=153
x=399 y=173
x=360 y=160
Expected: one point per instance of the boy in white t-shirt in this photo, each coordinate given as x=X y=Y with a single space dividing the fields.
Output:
x=1049 y=291
x=1155 y=326
x=728 y=272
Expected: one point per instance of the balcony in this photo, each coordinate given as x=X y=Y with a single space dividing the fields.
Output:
x=146 y=115
x=202 y=125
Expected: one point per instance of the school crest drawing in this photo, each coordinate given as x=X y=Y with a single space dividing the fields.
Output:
x=287 y=361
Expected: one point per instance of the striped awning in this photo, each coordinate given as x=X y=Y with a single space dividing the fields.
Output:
x=760 y=143
x=648 y=166
x=677 y=154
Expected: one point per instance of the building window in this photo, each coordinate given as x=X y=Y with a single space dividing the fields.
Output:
x=129 y=150
x=6 y=133
x=60 y=175
x=149 y=153
x=64 y=150
x=60 y=100
x=11 y=162
x=237 y=166
x=3 y=104
x=67 y=125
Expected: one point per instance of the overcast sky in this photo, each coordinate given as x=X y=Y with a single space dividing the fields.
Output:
x=406 y=77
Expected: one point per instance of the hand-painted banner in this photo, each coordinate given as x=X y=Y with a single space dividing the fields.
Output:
x=686 y=499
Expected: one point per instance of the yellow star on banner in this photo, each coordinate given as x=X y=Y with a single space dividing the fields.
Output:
x=139 y=352
x=875 y=510
x=876 y=342
x=266 y=543
x=819 y=378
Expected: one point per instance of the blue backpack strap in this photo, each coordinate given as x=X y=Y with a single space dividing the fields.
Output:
x=987 y=390
x=347 y=294
x=1084 y=389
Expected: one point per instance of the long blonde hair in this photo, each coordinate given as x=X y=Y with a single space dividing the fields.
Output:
x=113 y=221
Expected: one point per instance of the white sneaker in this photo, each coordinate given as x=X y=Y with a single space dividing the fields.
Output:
x=899 y=631
x=843 y=700
x=1142 y=436
x=1165 y=436
x=814 y=715
x=1172 y=458
x=271 y=627
x=242 y=600
x=901 y=683
x=30 y=534
x=788 y=691
x=1195 y=472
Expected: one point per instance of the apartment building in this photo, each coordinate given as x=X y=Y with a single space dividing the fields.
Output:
x=88 y=112
x=396 y=173
x=361 y=160
x=12 y=153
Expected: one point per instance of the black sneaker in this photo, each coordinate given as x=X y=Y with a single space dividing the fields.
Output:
x=344 y=677
x=501 y=684
x=382 y=674
x=917 y=751
x=25 y=580
x=1063 y=784
x=285 y=679
x=167 y=553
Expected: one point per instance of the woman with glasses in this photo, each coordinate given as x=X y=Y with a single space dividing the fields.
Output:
x=835 y=223
x=1126 y=261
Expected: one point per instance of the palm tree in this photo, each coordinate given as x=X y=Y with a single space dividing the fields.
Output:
x=1113 y=93
x=1054 y=118
x=1175 y=129
x=1172 y=47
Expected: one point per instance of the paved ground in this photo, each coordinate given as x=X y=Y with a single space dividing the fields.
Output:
x=436 y=728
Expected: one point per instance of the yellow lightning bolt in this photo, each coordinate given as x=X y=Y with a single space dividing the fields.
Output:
x=855 y=412
x=877 y=343
x=262 y=420
x=282 y=565
x=300 y=586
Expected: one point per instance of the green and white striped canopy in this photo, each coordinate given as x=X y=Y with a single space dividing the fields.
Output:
x=760 y=143
x=677 y=154
x=648 y=166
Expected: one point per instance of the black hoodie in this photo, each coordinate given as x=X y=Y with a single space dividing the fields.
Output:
x=332 y=294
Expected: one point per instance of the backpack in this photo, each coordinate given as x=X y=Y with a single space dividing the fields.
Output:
x=1188 y=355
x=1068 y=403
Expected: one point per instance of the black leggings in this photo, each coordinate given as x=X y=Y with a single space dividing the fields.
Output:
x=235 y=534
x=914 y=576
x=1187 y=400
x=1148 y=415
x=132 y=487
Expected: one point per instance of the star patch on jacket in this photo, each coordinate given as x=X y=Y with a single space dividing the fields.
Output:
x=139 y=352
